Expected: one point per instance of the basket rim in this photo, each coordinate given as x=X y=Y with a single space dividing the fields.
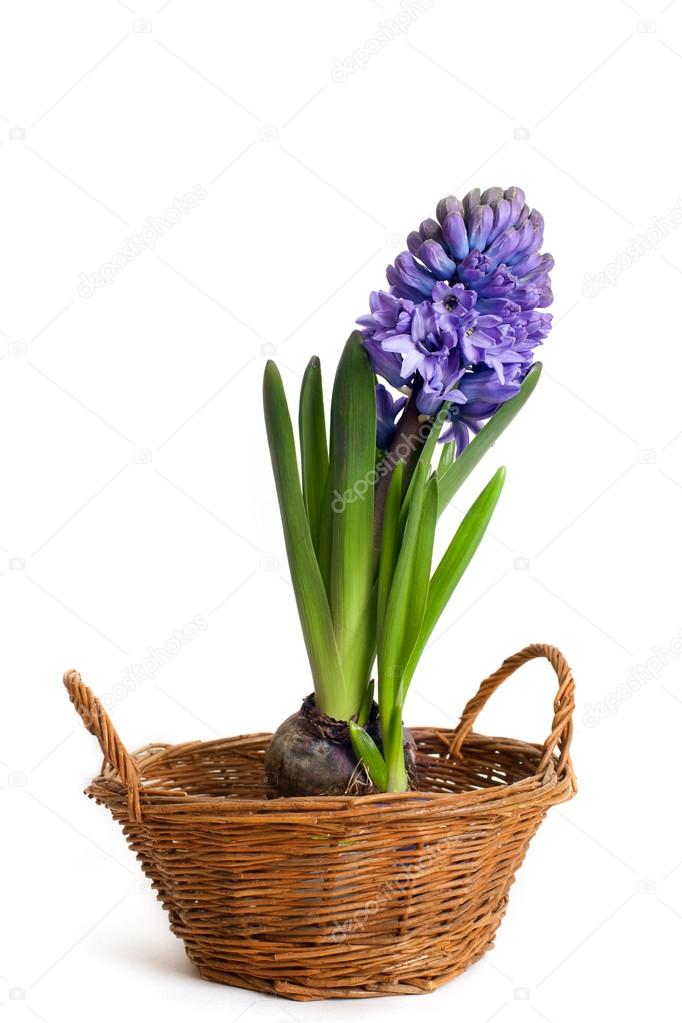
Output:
x=553 y=785
x=553 y=780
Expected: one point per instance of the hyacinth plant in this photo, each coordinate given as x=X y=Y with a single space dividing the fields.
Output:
x=454 y=336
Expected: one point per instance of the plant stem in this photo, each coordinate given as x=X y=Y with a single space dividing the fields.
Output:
x=405 y=448
x=395 y=754
x=397 y=776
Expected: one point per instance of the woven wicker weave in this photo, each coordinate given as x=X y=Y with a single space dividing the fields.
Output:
x=336 y=897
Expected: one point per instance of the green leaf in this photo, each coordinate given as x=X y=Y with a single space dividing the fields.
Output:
x=390 y=544
x=313 y=608
x=368 y=752
x=426 y=454
x=352 y=462
x=324 y=554
x=462 y=467
x=454 y=563
x=447 y=457
x=395 y=758
x=409 y=607
x=366 y=705
x=418 y=587
x=313 y=440
x=394 y=645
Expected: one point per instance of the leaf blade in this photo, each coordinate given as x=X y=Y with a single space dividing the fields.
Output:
x=418 y=587
x=390 y=544
x=426 y=453
x=352 y=466
x=391 y=645
x=368 y=752
x=395 y=756
x=460 y=470
x=447 y=457
x=455 y=562
x=311 y=597
x=313 y=444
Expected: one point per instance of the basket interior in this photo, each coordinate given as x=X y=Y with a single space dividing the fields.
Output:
x=233 y=768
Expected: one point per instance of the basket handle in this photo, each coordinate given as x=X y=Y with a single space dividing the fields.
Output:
x=98 y=723
x=564 y=704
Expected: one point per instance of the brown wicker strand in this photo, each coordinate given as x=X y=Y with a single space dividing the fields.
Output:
x=564 y=703
x=98 y=723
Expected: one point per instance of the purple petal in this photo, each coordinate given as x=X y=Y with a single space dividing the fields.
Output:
x=399 y=286
x=457 y=432
x=384 y=364
x=470 y=201
x=433 y=255
x=474 y=267
x=479 y=224
x=430 y=229
x=503 y=307
x=413 y=275
x=491 y=195
x=456 y=237
x=414 y=241
x=411 y=363
x=504 y=245
x=517 y=198
x=502 y=212
x=450 y=204
x=387 y=411
x=398 y=343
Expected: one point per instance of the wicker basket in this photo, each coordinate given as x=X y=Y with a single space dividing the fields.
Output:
x=336 y=897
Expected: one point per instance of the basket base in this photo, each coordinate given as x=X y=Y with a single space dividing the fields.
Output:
x=414 y=971
x=298 y=992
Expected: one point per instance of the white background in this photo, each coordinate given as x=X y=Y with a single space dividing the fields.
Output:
x=136 y=481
